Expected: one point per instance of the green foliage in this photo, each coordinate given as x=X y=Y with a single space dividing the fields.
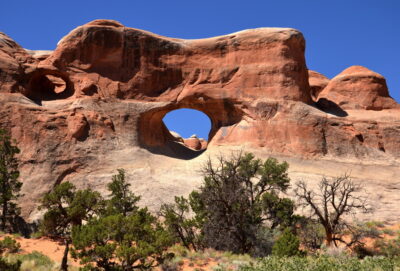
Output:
x=120 y=242
x=9 y=185
x=34 y=261
x=311 y=234
x=123 y=237
x=238 y=196
x=37 y=258
x=235 y=208
x=287 y=245
x=121 y=200
x=323 y=263
x=9 y=245
x=389 y=248
x=67 y=207
x=358 y=233
x=181 y=226
x=6 y=266
x=169 y=266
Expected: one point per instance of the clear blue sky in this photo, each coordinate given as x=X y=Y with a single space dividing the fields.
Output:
x=339 y=33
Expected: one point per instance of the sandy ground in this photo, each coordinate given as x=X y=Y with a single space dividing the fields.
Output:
x=50 y=248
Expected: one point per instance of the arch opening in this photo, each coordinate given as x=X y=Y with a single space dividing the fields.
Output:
x=47 y=86
x=189 y=127
x=154 y=135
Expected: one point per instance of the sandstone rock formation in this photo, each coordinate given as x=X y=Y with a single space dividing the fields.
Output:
x=317 y=83
x=359 y=88
x=96 y=103
x=193 y=142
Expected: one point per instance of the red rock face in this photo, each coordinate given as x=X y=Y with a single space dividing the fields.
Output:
x=317 y=83
x=15 y=63
x=131 y=63
x=193 y=143
x=105 y=89
x=359 y=88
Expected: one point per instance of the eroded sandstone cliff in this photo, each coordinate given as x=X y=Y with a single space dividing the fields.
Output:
x=96 y=103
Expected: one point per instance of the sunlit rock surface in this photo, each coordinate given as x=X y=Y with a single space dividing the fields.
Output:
x=96 y=104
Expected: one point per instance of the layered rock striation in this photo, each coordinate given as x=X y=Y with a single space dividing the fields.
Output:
x=96 y=103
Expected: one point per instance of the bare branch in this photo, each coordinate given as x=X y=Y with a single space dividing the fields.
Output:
x=335 y=198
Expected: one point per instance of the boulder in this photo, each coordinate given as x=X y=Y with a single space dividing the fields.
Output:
x=193 y=143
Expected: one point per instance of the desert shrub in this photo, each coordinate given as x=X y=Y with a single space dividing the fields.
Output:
x=323 y=263
x=184 y=228
x=117 y=242
x=237 y=206
x=333 y=251
x=170 y=266
x=9 y=245
x=7 y=266
x=287 y=245
x=389 y=248
x=311 y=234
x=179 y=250
x=38 y=258
x=123 y=236
x=34 y=261
x=36 y=235
x=67 y=207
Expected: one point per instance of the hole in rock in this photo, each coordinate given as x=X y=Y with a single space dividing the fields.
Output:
x=189 y=127
x=45 y=87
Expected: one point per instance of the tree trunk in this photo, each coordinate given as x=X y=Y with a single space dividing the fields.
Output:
x=4 y=215
x=329 y=238
x=64 y=262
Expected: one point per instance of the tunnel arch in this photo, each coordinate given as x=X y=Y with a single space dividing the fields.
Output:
x=155 y=136
x=188 y=126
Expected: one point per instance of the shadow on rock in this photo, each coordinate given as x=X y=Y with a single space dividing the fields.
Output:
x=330 y=107
x=175 y=150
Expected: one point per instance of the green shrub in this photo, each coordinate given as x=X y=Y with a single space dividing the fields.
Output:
x=34 y=261
x=389 y=248
x=324 y=263
x=6 y=266
x=9 y=245
x=287 y=245
x=311 y=234
x=237 y=207
x=170 y=266
x=36 y=235
x=116 y=242
x=37 y=257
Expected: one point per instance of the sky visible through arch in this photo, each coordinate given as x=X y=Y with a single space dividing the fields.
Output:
x=198 y=123
x=338 y=33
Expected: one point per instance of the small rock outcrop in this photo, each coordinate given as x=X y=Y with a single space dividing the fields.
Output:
x=317 y=83
x=193 y=142
x=359 y=88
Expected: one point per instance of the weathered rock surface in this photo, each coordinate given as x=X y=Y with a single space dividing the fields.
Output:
x=96 y=103
x=193 y=142
x=317 y=83
x=359 y=88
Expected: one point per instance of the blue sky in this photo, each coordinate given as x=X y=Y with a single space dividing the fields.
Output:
x=339 y=33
